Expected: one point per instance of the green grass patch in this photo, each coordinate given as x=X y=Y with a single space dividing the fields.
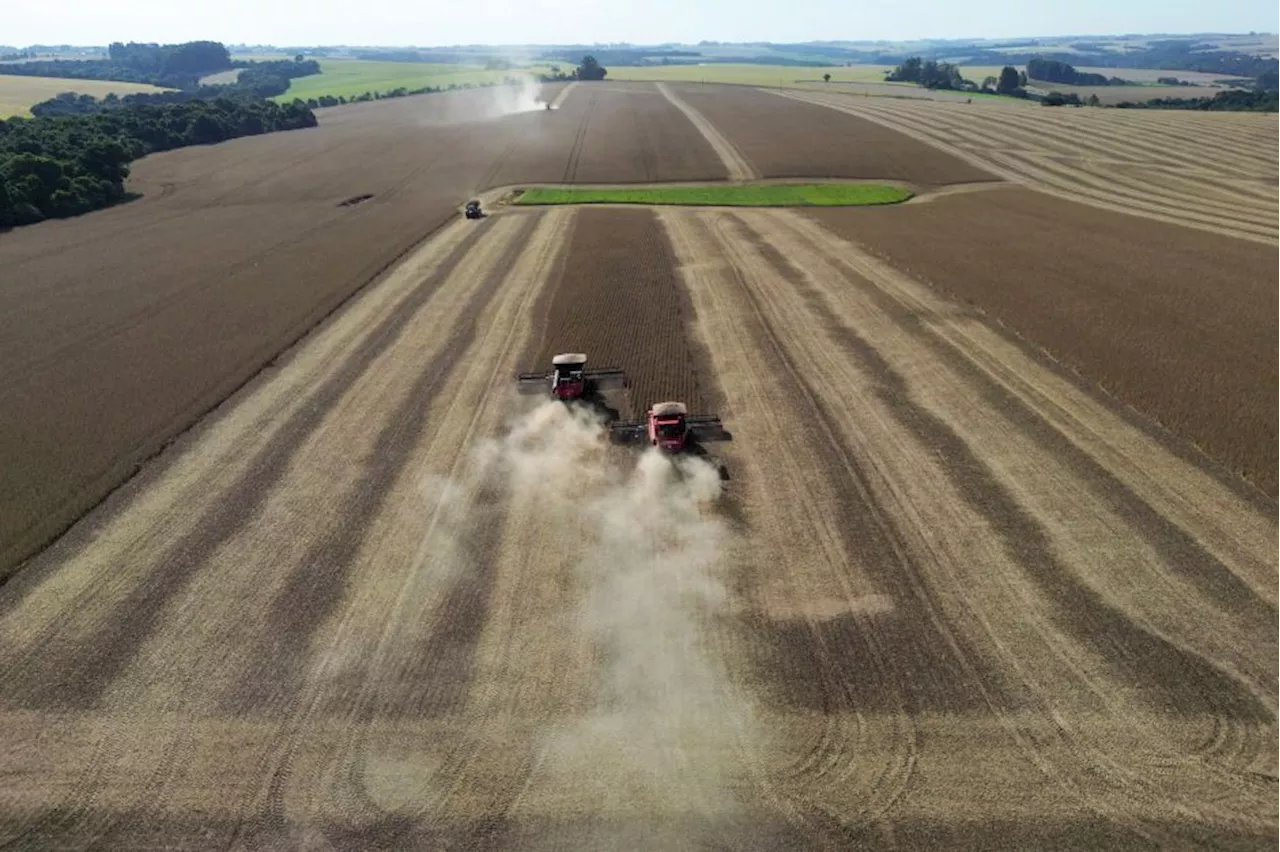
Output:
x=728 y=195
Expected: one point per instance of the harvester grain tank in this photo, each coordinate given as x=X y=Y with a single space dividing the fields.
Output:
x=569 y=378
x=671 y=428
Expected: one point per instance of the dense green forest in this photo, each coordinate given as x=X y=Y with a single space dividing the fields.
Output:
x=929 y=73
x=1053 y=71
x=1232 y=100
x=173 y=66
x=259 y=80
x=53 y=167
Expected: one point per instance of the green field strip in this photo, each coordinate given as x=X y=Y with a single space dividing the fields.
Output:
x=729 y=195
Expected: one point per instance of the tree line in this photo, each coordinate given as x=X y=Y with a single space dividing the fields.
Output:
x=402 y=92
x=589 y=69
x=54 y=167
x=1232 y=100
x=171 y=66
x=1054 y=71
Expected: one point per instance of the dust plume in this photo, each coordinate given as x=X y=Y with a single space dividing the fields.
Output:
x=662 y=734
x=519 y=94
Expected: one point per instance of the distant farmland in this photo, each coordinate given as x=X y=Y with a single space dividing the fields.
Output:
x=869 y=80
x=19 y=94
x=349 y=77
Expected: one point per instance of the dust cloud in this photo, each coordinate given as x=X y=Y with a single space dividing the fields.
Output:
x=664 y=726
x=523 y=93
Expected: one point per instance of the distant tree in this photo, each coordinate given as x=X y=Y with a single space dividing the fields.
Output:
x=1268 y=81
x=298 y=58
x=1022 y=79
x=1093 y=100
x=826 y=78
x=1008 y=82
x=989 y=84
x=928 y=73
x=590 y=69
x=1059 y=99
x=907 y=72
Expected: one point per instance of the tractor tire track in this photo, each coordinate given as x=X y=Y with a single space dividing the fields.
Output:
x=737 y=166
x=1228 y=700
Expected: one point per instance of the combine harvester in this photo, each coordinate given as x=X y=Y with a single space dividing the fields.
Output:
x=569 y=379
x=669 y=427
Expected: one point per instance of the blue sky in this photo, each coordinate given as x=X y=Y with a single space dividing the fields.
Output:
x=400 y=22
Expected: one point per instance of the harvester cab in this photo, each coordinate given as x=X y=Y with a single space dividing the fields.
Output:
x=570 y=379
x=473 y=210
x=671 y=428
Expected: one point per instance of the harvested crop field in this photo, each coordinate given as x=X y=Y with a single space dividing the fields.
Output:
x=619 y=134
x=393 y=606
x=936 y=592
x=1213 y=171
x=786 y=138
x=1180 y=327
x=119 y=329
x=18 y=93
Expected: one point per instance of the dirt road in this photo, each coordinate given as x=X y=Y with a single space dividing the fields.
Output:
x=947 y=597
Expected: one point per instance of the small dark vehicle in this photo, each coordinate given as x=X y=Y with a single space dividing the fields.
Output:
x=473 y=210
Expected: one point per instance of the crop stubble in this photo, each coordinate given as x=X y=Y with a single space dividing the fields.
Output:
x=1071 y=629
x=962 y=590
x=371 y=660
x=119 y=329
x=1181 y=326
x=782 y=138
x=1213 y=171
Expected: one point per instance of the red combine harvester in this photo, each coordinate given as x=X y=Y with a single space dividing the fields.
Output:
x=570 y=379
x=669 y=427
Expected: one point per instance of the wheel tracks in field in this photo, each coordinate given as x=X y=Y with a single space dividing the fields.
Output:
x=1080 y=761
x=736 y=165
x=468 y=417
x=575 y=151
x=170 y=502
x=1195 y=208
x=1032 y=166
x=964 y=346
x=995 y=140
x=921 y=128
x=814 y=565
x=820 y=365
x=1070 y=134
x=136 y=695
x=564 y=95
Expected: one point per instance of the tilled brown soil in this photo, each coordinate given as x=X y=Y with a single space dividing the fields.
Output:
x=1178 y=323
x=782 y=137
x=626 y=133
x=119 y=329
x=948 y=598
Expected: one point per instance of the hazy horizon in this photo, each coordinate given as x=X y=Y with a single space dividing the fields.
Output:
x=538 y=22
